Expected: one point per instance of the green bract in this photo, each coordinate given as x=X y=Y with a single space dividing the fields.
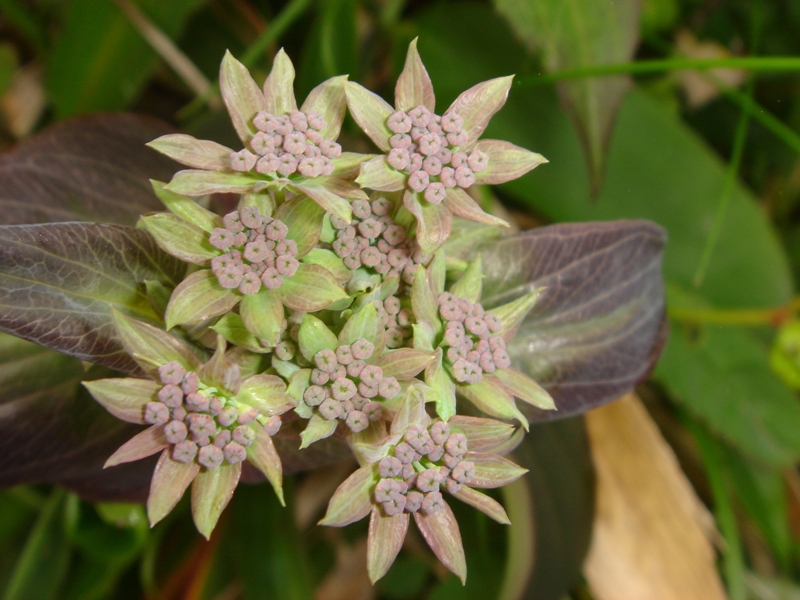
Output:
x=331 y=283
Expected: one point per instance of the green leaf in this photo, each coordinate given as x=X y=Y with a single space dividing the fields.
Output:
x=492 y=471
x=189 y=151
x=376 y=174
x=318 y=428
x=180 y=238
x=423 y=302
x=186 y=208
x=310 y=289
x=352 y=500
x=491 y=398
x=386 y=537
x=58 y=283
x=263 y=455
x=86 y=72
x=279 y=86
x=506 y=162
x=363 y=324
x=267 y=393
x=241 y=95
x=211 y=492
x=262 y=315
x=328 y=100
x=124 y=397
x=303 y=217
x=191 y=182
x=582 y=33
x=330 y=262
x=414 y=87
x=314 y=336
x=232 y=328
x=197 y=298
x=469 y=286
x=441 y=532
x=478 y=105
x=370 y=111
x=93 y=168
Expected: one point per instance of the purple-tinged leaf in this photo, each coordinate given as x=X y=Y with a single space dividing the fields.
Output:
x=469 y=286
x=170 y=480
x=329 y=201
x=506 y=162
x=526 y=389
x=187 y=208
x=189 y=151
x=304 y=218
x=492 y=471
x=267 y=393
x=376 y=174
x=241 y=95
x=310 y=289
x=487 y=505
x=193 y=182
x=328 y=100
x=348 y=165
x=423 y=302
x=352 y=500
x=93 y=168
x=279 y=86
x=598 y=326
x=211 y=491
x=414 y=87
x=433 y=221
x=385 y=538
x=483 y=435
x=412 y=410
x=262 y=315
x=58 y=283
x=180 y=238
x=491 y=398
x=143 y=444
x=404 y=363
x=441 y=532
x=124 y=397
x=262 y=454
x=578 y=34
x=461 y=204
x=437 y=377
x=318 y=428
x=371 y=112
x=197 y=298
x=478 y=105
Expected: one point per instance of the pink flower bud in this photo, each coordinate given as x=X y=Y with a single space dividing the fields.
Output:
x=197 y=402
x=271 y=278
x=330 y=409
x=381 y=206
x=357 y=421
x=244 y=160
x=171 y=373
x=413 y=501
x=228 y=416
x=451 y=123
x=210 y=457
x=272 y=426
x=354 y=368
x=343 y=389
x=362 y=349
x=432 y=503
x=399 y=158
x=373 y=410
x=315 y=121
x=175 y=432
x=222 y=438
x=247 y=416
x=439 y=432
x=171 y=395
x=234 y=453
x=184 y=451
x=435 y=192
x=156 y=413
x=418 y=181
x=399 y=122
x=344 y=354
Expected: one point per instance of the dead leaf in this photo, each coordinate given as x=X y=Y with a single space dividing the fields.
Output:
x=22 y=105
x=650 y=538
x=702 y=87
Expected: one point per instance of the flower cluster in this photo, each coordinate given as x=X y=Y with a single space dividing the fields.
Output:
x=288 y=144
x=425 y=146
x=257 y=251
x=328 y=293
x=344 y=385
x=471 y=346
x=403 y=488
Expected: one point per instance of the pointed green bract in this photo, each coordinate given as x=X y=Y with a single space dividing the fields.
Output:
x=143 y=444
x=186 y=208
x=483 y=435
x=414 y=87
x=330 y=202
x=328 y=99
x=461 y=204
x=404 y=363
x=506 y=162
x=469 y=286
x=422 y=300
x=198 y=154
x=412 y=410
x=487 y=505
x=352 y=500
x=478 y=104
x=491 y=398
x=232 y=328
x=197 y=298
x=267 y=393
x=370 y=111
x=124 y=397
x=202 y=183
x=437 y=377
x=263 y=455
x=512 y=314
x=441 y=532
x=317 y=429
x=348 y=164
x=314 y=336
x=180 y=238
x=303 y=217
x=170 y=480
x=363 y=324
x=385 y=538
x=437 y=273
x=526 y=389
x=330 y=262
x=492 y=471
x=241 y=95
x=433 y=221
x=279 y=86
x=376 y=174
x=310 y=289
x=220 y=372
x=211 y=492
x=262 y=315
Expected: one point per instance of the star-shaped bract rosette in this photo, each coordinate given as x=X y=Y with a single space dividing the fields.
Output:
x=205 y=419
x=435 y=159
x=406 y=474
x=284 y=147
x=259 y=262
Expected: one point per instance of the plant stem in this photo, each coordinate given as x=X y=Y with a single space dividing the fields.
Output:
x=742 y=316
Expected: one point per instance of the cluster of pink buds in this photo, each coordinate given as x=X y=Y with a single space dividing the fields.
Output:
x=472 y=347
x=425 y=146
x=344 y=385
x=288 y=144
x=257 y=251
x=373 y=239
x=200 y=423
x=396 y=320
x=406 y=485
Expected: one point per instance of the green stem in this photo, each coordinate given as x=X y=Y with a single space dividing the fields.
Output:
x=737 y=317
x=728 y=186
x=748 y=63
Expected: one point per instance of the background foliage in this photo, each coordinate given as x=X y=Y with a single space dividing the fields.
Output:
x=710 y=155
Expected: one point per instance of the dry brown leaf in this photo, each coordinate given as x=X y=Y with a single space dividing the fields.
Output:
x=702 y=87
x=22 y=105
x=650 y=537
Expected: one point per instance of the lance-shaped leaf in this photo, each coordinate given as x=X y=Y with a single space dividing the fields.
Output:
x=491 y=398
x=385 y=538
x=370 y=111
x=433 y=221
x=414 y=87
x=170 y=480
x=461 y=204
x=441 y=532
x=267 y=393
x=352 y=500
x=477 y=106
x=575 y=34
x=143 y=444
x=194 y=182
x=59 y=281
x=487 y=505
x=262 y=314
x=492 y=471
x=523 y=387
x=186 y=208
x=314 y=336
x=211 y=492
x=124 y=397
x=469 y=286
x=328 y=100
x=506 y=162
x=483 y=435
x=303 y=217
x=189 y=151
x=423 y=301
x=598 y=326
x=328 y=200
x=279 y=86
x=241 y=95
x=197 y=298
x=262 y=454
x=310 y=289
x=363 y=324
x=437 y=377
x=180 y=238
x=412 y=410
x=318 y=428
x=376 y=174
x=92 y=168
x=404 y=363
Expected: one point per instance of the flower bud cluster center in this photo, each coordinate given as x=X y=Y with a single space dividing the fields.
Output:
x=288 y=144
x=408 y=485
x=200 y=423
x=426 y=146
x=256 y=251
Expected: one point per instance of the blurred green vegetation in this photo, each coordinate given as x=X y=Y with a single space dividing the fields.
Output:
x=712 y=156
